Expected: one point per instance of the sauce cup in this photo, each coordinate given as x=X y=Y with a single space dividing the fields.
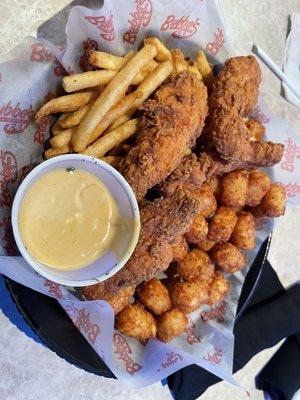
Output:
x=107 y=264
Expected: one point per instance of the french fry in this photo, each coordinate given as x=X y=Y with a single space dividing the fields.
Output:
x=192 y=68
x=109 y=61
x=72 y=83
x=70 y=102
x=112 y=139
x=74 y=118
x=114 y=161
x=120 y=121
x=204 y=67
x=163 y=53
x=126 y=147
x=62 y=138
x=56 y=128
x=114 y=91
x=57 y=151
x=145 y=71
x=179 y=62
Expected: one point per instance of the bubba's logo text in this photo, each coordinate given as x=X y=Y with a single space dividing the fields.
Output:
x=53 y=288
x=260 y=115
x=172 y=358
x=81 y=319
x=292 y=189
x=216 y=312
x=40 y=133
x=218 y=41
x=181 y=28
x=291 y=151
x=140 y=17
x=8 y=175
x=123 y=352
x=39 y=53
x=8 y=238
x=215 y=357
x=14 y=118
x=191 y=338
x=105 y=25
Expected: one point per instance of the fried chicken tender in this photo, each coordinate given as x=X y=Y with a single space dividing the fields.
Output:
x=258 y=185
x=136 y=322
x=256 y=130
x=179 y=247
x=206 y=244
x=188 y=296
x=274 y=202
x=243 y=235
x=170 y=324
x=154 y=296
x=171 y=121
x=219 y=288
x=118 y=302
x=215 y=184
x=234 y=95
x=196 y=265
x=198 y=230
x=228 y=257
x=234 y=186
x=222 y=224
x=206 y=199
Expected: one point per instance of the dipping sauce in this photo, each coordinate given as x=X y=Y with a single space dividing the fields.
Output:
x=68 y=219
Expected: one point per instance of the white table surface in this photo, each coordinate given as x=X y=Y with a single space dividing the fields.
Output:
x=28 y=371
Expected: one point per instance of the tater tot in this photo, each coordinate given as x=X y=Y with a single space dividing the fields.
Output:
x=198 y=230
x=215 y=184
x=256 y=129
x=243 y=235
x=206 y=244
x=187 y=296
x=154 y=295
x=219 y=287
x=274 y=202
x=222 y=224
x=258 y=185
x=136 y=322
x=179 y=247
x=228 y=257
x=234 y=186
x=206 y=198
x=170 y=324
x=196 y=265
x=117 y=302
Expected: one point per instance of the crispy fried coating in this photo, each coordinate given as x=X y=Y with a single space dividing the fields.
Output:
x=154 y=296
x=198 y=230
x=234 y=186
x=234 y=95
x=187 y=296
x=170 y=324
x=219 y=288
x=274 y=202
x=215 y=184
x=228 y=257
x=206 y=244
x=258 y=185
x=170 y=123
x=256 y=130
x=179 y=247
x=222 y=224
x=118 y=302
x=196 y=265
x=243 y=235
x=136 y=322
x=204 y=195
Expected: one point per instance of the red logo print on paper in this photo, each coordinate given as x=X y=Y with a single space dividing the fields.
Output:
x=259 y=115
x=40 y=133
x=53 y=288
x=172 y=358
x=292 y=189
x=139 y=17
x=82 y=320
x=8 y=237
x=105 y=25
x=180 y=27
x=216 y=313
x=7 y=175
x=39 y=53
x=291 y=151
x=123 y=352
x=218 y=41
x=25 y=171
x=191 y=337
x=15 y=118
x=215 y=357
x=89 y=45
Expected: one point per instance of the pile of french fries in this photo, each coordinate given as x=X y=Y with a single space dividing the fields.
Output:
x=97 y=114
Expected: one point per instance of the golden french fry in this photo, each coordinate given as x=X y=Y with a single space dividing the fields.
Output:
x=144 y=72
x=109 y=61
x=115 y=151
x=204 y=67
x=179 y=62
x=58 y=151
x=120 y=121
x=126 y=147
x=62 y=138
x=112 y=139
x=74 y=118
x=192 y=68
x=56 y=128
x=88 y=79
x=114 y=161
x=114 y=91
x=70 y=102
x=163 y=53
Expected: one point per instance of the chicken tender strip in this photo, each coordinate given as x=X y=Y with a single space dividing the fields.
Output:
x=170 y=124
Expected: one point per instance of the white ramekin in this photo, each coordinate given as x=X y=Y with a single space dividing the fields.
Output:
x=107 y=265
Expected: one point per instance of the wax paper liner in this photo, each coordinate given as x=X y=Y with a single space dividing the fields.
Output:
x=31 y=74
